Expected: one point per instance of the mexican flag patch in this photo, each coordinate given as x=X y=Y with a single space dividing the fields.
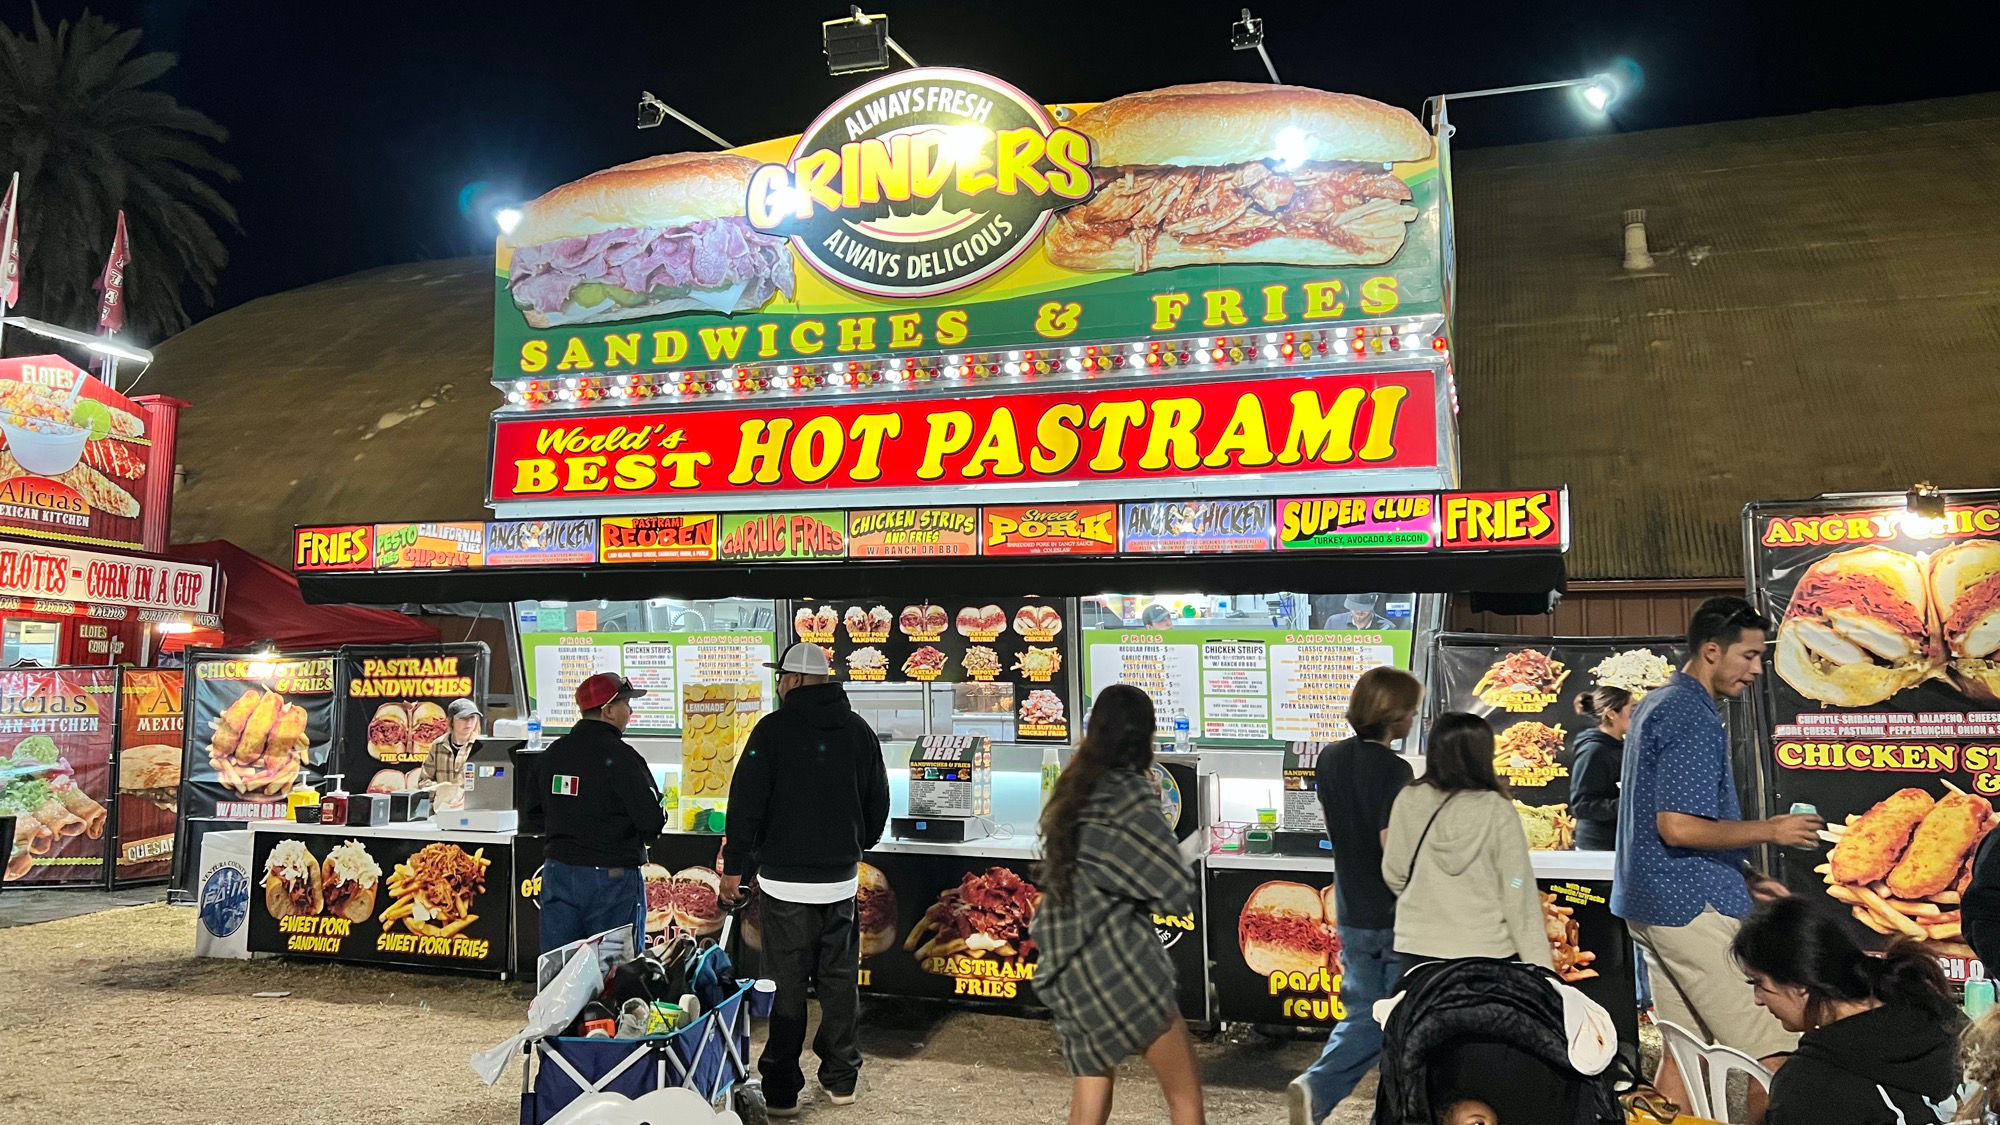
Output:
x=563 y=785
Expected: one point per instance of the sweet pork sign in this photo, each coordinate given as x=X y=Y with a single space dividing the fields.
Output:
x=1267 y=428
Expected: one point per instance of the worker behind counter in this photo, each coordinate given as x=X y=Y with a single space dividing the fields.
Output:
x=601 y=809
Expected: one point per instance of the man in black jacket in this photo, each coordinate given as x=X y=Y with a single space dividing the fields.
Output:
x=601 y=809
x=809 y=796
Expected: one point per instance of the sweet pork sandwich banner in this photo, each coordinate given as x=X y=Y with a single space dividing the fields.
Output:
x=1882 y=703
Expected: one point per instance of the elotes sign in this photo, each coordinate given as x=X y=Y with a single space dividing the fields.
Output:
x=1271 y=426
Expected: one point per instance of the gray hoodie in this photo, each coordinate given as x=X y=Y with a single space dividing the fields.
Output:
x=1473 y=892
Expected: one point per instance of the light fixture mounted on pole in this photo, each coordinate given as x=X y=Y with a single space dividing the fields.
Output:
x=653 y=112
x=101 y=345
x=859 y=43
x=1597 y=92
x=1247 y=34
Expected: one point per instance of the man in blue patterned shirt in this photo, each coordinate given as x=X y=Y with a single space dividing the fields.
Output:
x=1683 y=879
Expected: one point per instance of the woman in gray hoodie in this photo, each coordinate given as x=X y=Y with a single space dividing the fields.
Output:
x=1457 y=857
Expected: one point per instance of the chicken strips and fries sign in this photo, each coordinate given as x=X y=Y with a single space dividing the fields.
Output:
x=258 y=725
x=1884 y=702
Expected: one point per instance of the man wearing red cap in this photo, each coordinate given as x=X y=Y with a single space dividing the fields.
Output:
x=602 y=810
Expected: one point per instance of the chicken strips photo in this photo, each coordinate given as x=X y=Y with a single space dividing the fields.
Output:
x=1941 y=846
x=1902 y=866
x=1876 y=841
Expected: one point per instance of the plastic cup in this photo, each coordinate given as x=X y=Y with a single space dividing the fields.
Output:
x=1978 y=998
x=1267 y=816
x=763 y=997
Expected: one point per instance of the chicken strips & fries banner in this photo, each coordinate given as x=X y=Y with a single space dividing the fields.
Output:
x=72 y=453
x=258 y=724
x=353 y=896
x=989 y=221
x=1528 y=688
x=57 y=728
x=1882 y=702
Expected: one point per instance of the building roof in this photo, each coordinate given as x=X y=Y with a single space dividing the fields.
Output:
x=1823 y=315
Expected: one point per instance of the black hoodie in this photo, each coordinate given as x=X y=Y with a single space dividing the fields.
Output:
x=811 y=793
x=1894 y=1065
x=1597 y=763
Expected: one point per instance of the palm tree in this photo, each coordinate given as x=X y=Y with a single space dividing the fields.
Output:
x=89 y=139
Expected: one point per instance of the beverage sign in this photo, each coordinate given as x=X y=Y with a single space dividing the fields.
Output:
x=674 y=538
x=541 y=542
x=757 y=536
x=1357 y=523
x=1196 y=527
x=72 y=453
x=429 y=546
x=1264 y=429
x=909 y=533
x=921 y=182
x=1051 y=529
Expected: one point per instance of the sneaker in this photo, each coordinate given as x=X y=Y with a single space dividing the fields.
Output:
x=840 y=1097
x=1298 y=1102
x=773 y=1109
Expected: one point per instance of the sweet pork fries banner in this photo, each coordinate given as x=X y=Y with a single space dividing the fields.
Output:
x=1882 y=702
x=989 y=221
x=1528 y=688
x=257 y=726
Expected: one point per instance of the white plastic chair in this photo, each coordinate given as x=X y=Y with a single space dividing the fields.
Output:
x=1705 y=1069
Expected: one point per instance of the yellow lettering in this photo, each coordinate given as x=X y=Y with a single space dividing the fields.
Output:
x=575 y=355
x=1323 y=300
x=724 y=341
x=621 y=350
x=634 y=473
x=1113 y=418
x=1380 y=443
x=536 y=474
x=1069 y=157
x=1322 y=436
x=586 y=474
x=1225 y=308
x=1379 y=295
x=1274 y=304
x=767 y=339
x=950 y=432
x=815 y=172
x=1056 y=442
x=951 y=328
x=972 y=175
x=808 y=337
x=1167 y=310
x=817 y=450
x=885 y=169
x=903 y=330
x=1174 y=422
x=1000 y=448
x=1246 y=438
x=1019 y=150
x=670 y=345
x=857 y=334
x=534 y=356
x=871 y=430
x=757 y=453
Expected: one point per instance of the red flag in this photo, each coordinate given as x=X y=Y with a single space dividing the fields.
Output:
x=10 y=247
x=111 y=284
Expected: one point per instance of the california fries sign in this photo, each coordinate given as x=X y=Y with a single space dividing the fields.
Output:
x=1265 y=428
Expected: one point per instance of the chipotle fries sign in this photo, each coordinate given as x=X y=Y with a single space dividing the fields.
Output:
x=1263 y=429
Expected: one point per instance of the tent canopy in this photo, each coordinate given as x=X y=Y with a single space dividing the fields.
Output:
x=261 y=602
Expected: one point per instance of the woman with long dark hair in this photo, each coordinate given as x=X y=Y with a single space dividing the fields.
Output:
x=1597 y=762
x=1109 y=863
x=1457 y=856
x=1878 y=1031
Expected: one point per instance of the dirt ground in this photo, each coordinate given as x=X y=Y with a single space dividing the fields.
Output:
x=109 y=1017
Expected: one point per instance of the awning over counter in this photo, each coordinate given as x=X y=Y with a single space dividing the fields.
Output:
x=265 y=604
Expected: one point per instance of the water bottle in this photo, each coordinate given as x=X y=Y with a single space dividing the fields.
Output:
x=534 y=730
x=1180 y=730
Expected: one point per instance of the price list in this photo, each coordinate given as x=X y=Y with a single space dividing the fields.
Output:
x=650 y=665
x=1170 y=673
x=1235 y=690
x=727 y=659
x=1312 y=680
x=556 y=679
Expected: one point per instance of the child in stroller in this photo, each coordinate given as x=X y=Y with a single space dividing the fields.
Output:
x=1478 y=1041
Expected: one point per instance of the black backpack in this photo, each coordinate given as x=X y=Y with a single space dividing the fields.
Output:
x=1493 y=1030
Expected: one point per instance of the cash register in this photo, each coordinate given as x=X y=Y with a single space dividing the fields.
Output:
x=493 y=780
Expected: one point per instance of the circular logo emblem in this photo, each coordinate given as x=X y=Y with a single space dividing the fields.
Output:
x=225 y=900
x=1170 y=794
x=922 y=182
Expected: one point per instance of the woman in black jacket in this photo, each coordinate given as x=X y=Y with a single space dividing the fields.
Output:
x=1598 y=759
x=1878 y=1042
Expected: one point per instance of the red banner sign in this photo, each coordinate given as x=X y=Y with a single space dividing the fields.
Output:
x=334 y=548
x=1289 y=425
x=72 y=455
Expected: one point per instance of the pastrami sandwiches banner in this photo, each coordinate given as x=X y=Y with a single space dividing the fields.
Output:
x=940 y=210
x=1882 y=700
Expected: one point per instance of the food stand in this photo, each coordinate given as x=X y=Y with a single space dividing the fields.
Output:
x=926 y=387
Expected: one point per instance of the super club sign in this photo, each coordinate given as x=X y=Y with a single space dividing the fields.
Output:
x=1270 y=426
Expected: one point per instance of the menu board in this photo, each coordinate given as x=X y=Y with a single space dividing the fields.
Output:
x=1883 y=703
x=1528 y=689
x=393 y=701
x=57 y=727
x=662 y=663
x=353 y=896
x=1019 y=641
x=258 y=726
x=1249 y=686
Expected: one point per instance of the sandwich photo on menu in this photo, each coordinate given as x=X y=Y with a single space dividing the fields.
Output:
x=1227 y=172
x=1858 y=629
x=657 y=236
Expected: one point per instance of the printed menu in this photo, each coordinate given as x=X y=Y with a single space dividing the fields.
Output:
x=1251 y=685
x=662 y=663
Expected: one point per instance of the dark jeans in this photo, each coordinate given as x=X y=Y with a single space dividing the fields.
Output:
x=1369 y=970
x=816 y=946
x=580 y=902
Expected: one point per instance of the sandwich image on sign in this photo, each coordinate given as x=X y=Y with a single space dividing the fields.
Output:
x=1289 y=927
x=1965 y=597
x=654 y=237
x=348 y=881
x=874 y=906
x=292 y=881
x=1858 y=629
x=150 y=773
x=1228 y=172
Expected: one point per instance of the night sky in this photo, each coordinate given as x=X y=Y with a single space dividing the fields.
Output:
x=360 y=128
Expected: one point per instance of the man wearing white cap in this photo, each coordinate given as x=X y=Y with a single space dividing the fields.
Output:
x=810 y=794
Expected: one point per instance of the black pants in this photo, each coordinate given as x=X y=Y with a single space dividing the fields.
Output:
x=817 y=946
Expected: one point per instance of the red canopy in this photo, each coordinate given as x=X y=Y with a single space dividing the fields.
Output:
x=261 y=602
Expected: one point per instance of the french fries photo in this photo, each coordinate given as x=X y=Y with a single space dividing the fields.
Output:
x=986 y=915
x=1901 y=867
x=431 y=894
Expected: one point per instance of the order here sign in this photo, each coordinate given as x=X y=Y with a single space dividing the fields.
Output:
x=1270 y=426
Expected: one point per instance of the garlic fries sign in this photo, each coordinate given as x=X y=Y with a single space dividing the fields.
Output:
x=1880 y=702
x=258 y=725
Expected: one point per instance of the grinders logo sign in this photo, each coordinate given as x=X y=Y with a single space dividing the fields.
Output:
x=922 y=182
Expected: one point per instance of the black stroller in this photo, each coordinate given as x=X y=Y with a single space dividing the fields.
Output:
x=1491 y=1030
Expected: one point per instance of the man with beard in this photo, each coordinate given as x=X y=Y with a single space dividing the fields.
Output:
x=1683 y=879
x=810 y=795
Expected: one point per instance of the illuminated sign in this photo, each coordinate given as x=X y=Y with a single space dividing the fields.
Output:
x=1051 y=529
x=1505 y=519
x=750 y=536
x=1358 y=523
x=1195 y=527
x=674 y=538
x=349 y=547
x=877 y=533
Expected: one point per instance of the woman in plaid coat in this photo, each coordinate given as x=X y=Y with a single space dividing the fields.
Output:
x=1109 y=863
